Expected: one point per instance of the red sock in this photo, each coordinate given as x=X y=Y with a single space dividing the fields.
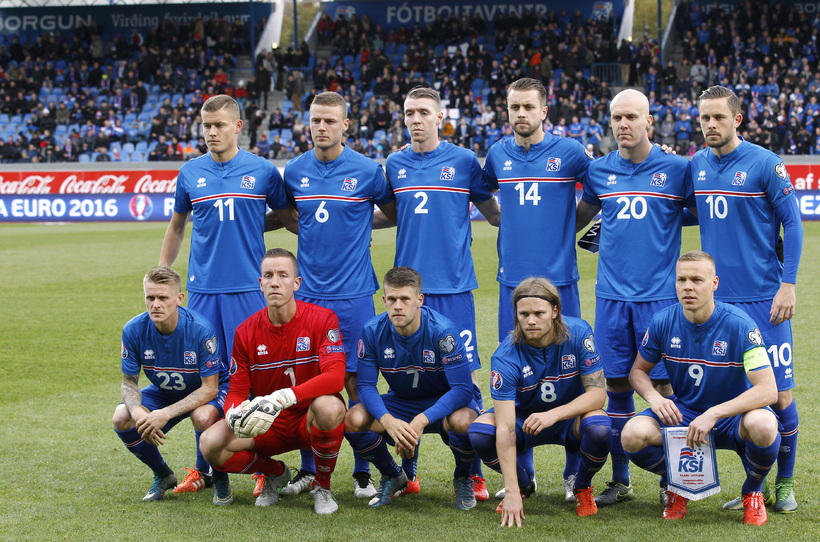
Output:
x=246 y=461
x=325 y=446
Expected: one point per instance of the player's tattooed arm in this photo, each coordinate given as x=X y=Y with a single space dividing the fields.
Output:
x=131 y=394
x=594 y=380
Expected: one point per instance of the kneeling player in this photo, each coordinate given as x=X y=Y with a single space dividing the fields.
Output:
x=177 y=349
x=290 y=356
x=421 y=356
x=548 y=387
x=723 y=381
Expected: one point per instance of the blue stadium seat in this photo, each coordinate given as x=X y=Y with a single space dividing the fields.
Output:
x=287 y=135
x=125 y=157
x=115 y=146
x=141 y=146
x=4 y=118
x=128 y=147
x=84 y=157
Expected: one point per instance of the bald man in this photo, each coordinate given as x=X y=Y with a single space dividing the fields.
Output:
x=639 y=191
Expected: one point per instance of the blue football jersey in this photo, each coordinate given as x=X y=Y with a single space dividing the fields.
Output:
x=736 y=196
x=174 y=363
x=539 y=379
x=433 y=193
x=642 y=214
x=537 y=197
x=705 y=362
x=430 y=364
x=335 y=203
x=228 y=200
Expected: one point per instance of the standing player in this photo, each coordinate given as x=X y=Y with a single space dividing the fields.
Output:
x=640 y=191
x=717 y=364
x=743 y=195
x=227 y=190
x=334 y=189
x=289 y=355
x=421 y=356
x=434 y=182
x=177 y=350
x=547 y=388
x=535 y=174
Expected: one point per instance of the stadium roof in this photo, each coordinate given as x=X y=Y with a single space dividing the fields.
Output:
x=75 y=3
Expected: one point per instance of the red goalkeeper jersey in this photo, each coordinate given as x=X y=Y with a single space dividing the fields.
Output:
x=306 y=355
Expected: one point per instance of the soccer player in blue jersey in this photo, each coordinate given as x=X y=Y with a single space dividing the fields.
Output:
x=547 y=384
x=744 y=195
x=535 y=175
x=177 y=350
x=640 y=192
x=422 y=357
x=334 y=189
x=717 y=364
x=228 y=191
x=434 y=183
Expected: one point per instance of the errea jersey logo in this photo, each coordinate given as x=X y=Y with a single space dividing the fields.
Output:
x=402 y=174
x=508 y=165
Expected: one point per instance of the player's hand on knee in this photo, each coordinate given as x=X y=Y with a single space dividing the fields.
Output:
x=667 y=411
x=234 y=416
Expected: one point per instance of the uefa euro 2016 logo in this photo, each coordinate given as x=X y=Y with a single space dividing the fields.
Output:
x=690 y=460
x=140 y=207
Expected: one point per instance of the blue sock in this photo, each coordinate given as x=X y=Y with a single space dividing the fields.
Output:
x=475 y=468
x=650 y=458
x=370 y=446
x=482 y=438
x=308 y=463
x=595 y=435
x=145 y=452
x=201 y=465
x=759 y=461
x=359 y=464
x=621 y=408
x=463 y=453
x=789 y=427
x=410 y=465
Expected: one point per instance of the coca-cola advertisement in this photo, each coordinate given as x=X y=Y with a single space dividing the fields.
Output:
x=37 y=183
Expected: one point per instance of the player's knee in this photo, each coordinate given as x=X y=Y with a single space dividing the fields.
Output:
x=327 y=412
x=596 y=426
x=204 y=417
x=760 y=427
x=357 y=419
x=122 y=419
x=635 y=435
x=460 y=420
x=213 y=441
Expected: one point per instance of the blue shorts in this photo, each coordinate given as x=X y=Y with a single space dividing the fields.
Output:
x=778 y=340
x=153 y=399
x=225 y=312
x=407 y=409
x=570 y=306
x=353 y=314
x=460 y=308
x=560 y=433
x=726 y=432
x=619 y=330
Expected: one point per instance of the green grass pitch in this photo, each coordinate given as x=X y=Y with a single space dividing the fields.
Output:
x=66 y=291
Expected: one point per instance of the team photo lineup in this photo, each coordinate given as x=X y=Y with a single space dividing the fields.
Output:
x=274 y=351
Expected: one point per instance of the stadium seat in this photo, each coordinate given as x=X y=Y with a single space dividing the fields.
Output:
x=84 y=157
x=128 y=148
